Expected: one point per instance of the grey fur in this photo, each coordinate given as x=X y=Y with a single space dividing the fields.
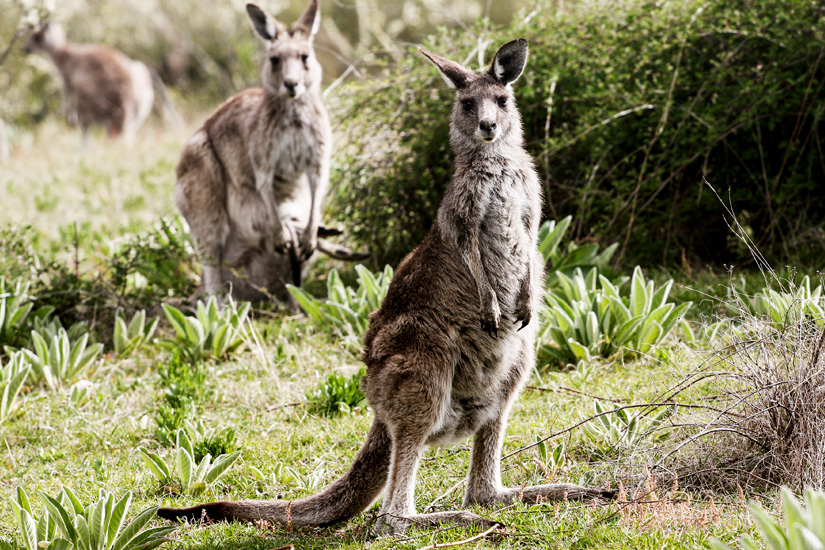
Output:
x=453 y=342
x=257 y=171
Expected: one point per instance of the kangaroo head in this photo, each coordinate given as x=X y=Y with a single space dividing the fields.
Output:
x=47 y=37
x=291 y=68
x=485 y=110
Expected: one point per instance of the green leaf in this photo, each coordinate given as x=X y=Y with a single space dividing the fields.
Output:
x=638 y=294
x=118 y=516
x=60 y=517
x=28 y=527
x=84 y=536
x=133 y=528
x=221 y=464
x=156 y=465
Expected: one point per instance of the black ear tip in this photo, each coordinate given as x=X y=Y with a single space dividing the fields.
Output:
x=522 y=42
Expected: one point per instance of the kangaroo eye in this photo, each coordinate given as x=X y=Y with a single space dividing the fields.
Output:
x=502 y=102
x=275 y=61
x=305 y=58
x=467 y=104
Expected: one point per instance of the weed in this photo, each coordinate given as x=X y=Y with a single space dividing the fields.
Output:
x=573 y=256
x=193 y=475
x=61 y=360
x=212 y=332
x=12 y=377
x=336 y=394
x=15 y=306
x=129 y=338
x=100 y=525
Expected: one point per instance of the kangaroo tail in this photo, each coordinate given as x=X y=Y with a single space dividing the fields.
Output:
x=345 y=498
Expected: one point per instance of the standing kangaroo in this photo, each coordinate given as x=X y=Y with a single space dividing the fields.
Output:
x=101 y=86
x=252 y=179
x=453 y=342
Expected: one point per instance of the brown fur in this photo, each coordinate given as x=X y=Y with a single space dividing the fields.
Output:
x=101 y=86
x=453 y=342
x=253 y=178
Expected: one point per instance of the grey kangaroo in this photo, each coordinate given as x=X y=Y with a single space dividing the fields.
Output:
x=453 y=342
x=252 y=179
x=101 y=85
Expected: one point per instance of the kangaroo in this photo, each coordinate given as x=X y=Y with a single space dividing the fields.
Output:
x=252 y=179
x=101 y=86
x=452 y=344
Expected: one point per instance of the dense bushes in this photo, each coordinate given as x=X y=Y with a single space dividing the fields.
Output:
x=626 y=110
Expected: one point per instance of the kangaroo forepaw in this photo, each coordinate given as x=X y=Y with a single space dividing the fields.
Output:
x=491 y=317
x=524 y=315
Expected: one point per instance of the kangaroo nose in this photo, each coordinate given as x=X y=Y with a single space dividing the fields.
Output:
x=290 y=87
x=487 y=125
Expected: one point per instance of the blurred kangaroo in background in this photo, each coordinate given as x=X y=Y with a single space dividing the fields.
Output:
x=101 y=86
x=251 y=181
x=453 y=342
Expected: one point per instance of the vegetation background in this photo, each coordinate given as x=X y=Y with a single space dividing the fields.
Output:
x=674 y=139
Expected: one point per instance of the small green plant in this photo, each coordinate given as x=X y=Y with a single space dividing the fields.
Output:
x=212 y=332
x=194 y=476
x=210 y=440
x=553 y=461
x=183 y=385
x=608 y=433
x=336 y=394
x=129 y=338
x=801 y=528
x=589 y=316
x=583 y=257
x=61 y=360
x=346 y=309
x=48 y=325
x=785 y=307
x=15 y=306
x=12 y=377
x=99 y=526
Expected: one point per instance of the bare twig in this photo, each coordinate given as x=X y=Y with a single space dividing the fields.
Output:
x=493 y=529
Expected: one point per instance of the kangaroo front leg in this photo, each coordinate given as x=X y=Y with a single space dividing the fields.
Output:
x=318 y=177
x=524 y=301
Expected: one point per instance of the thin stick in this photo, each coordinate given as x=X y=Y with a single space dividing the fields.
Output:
x=14 y=39
x=562 y=389
x=460 y=542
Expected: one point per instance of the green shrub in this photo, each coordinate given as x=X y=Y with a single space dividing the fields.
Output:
x=626 y=107
x=15 y=307
x=566 y=259
x=12 y=376
x=61 y=359
x=336 y=394
x=129 y=338
x=192 y=475
x=345 y=309
x=589 y=316
x=184 y=384
x=211 y=332
x=100 y=525
x=801 y=528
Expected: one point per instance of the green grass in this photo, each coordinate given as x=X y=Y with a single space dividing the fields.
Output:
x=261 y=393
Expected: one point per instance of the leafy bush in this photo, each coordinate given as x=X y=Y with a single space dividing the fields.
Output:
x=788 y=305
x=12 y=377
x=212 y=332
x=210 y=440
x=626 y=107
x=129 y=338
x=590 y=316
x=611 y=432
x=193 y=476
x=15 y=306
x=99 y=526
x=582 y=257
x=801 y=528
x=336 y=394
x=345 y=309
x=61 y=360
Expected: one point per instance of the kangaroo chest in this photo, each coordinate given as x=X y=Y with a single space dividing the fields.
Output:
x=292 y=151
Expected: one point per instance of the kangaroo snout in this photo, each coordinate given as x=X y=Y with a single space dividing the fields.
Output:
x=291 y=88
x=487 y=130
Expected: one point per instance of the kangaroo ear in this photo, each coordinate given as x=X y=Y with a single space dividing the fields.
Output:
x=310 y=21
x=509 y=62
x=263 y=22
x=453 y=74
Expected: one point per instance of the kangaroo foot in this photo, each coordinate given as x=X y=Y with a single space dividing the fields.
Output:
x=389 y=524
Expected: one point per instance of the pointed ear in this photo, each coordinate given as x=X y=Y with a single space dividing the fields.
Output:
x=509 y=62
x=263 y=22
x=310 y=21
x=453 y=74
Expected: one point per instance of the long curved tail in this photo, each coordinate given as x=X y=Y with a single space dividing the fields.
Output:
x=345 y=498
